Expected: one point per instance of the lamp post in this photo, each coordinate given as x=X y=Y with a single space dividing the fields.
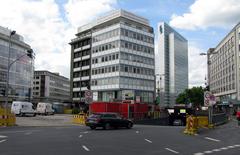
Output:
x=8 y=69
x=160 y=86
x=29 y=54
x=209 y=52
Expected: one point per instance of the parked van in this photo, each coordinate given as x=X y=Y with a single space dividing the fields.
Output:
x=45 y=108
x=23 y=108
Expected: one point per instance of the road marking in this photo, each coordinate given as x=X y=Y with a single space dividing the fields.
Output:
x=173 y=151
x=217 y=150
x=85 y=148
x=137 y=131
x=20 y=131
x=149 y=141
x=212 y=139
x=2 y=140
x=1 y=136
x=207 y=152
x=80 y=136
x=28 y=133
x=85 y=132
x=198 y=153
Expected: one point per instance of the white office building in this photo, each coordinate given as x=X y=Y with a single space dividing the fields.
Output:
x=224 y=67
x=122 y=58
x=171 y=64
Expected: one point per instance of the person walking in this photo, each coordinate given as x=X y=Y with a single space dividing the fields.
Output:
x=238 y=116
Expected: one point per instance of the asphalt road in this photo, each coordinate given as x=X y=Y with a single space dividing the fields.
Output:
x=140 y=140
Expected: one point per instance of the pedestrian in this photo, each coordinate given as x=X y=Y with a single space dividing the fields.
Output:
x=238 y=116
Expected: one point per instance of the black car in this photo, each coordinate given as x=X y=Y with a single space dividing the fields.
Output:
x=107 y=120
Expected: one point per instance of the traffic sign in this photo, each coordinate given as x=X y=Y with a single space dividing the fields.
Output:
x=88 y=94
x=209 y=99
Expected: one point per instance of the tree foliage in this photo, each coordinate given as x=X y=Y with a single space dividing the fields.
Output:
x=194 y=95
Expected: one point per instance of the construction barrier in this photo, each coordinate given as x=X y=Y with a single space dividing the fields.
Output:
x=79 y=118
x=192 y=125
x=154 y=114
x=67 y=111
x=203 y=121
x=7 y=120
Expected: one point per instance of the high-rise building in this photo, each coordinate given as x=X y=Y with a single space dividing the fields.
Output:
x=223 y=67
x=114 y=55
x=21 y=72
x=50 y=87
x=171 y=63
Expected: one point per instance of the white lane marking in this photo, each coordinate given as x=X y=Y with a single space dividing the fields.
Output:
x=207 y=152
x=216 y=150
x=237 y=145
x=173 y=151
x=231 y=147
x=20 y=131
x=223 y=148
x=85 y=148
x=2 y=140
x=137 y=131
x=85 y=132
x=149 y=141
x=198 y=153
x=80 y=136
x=1 y=136
x=28 y=133
x=212 y=139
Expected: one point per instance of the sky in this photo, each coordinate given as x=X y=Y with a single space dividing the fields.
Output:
x=49 y=25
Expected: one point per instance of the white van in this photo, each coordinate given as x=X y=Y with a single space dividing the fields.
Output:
x=23 y=108
x=45 y=108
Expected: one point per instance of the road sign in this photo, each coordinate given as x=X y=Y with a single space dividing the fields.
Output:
x=88 y=94
x=209 y=99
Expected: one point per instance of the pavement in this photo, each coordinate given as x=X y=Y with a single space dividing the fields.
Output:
x=50 y=120
x=140 y=140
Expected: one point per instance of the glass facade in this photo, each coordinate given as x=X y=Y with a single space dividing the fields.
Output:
x=21 y=72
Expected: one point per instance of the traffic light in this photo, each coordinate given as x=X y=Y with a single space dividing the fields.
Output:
x=2 y=92
x=30 y=53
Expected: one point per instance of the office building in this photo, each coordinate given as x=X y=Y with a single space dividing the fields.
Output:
x=114 y=55
x=172 y=64
x=223 y=67
x=21 y=72
x=50 y=87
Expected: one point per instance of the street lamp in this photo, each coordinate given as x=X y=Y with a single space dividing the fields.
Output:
x=160 y=85
x=29 y=53
x=9 y=48
x=209 y=52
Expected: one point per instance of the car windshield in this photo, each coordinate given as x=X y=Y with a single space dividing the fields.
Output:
x=95 y=116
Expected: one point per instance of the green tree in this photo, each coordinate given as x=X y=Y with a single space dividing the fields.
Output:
x=194 y=95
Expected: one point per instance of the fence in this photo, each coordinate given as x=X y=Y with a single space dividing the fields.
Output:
x=7 y=120
x=218 y=119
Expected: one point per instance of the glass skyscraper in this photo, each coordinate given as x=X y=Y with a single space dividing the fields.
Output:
x=171 y=63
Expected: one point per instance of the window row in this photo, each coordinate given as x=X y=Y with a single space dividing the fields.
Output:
x=81 y=43
x=136 y=58
x=81 y=73
x=106 y=35
x=137 y=36
x=105 y=58
x=81 y=53
x=80 y=83
x=123 y=81
x=105 y=47
x=106 y=69
x=136 y=47
x=136 y=70
x=81 y=63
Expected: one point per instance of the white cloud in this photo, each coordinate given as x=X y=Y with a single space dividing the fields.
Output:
x=197 y=66
x=208 y=13
x=46 y=31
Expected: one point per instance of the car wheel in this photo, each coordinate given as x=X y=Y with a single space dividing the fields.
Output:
x=92 y=127
x=107 y=126
x=129 y=125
